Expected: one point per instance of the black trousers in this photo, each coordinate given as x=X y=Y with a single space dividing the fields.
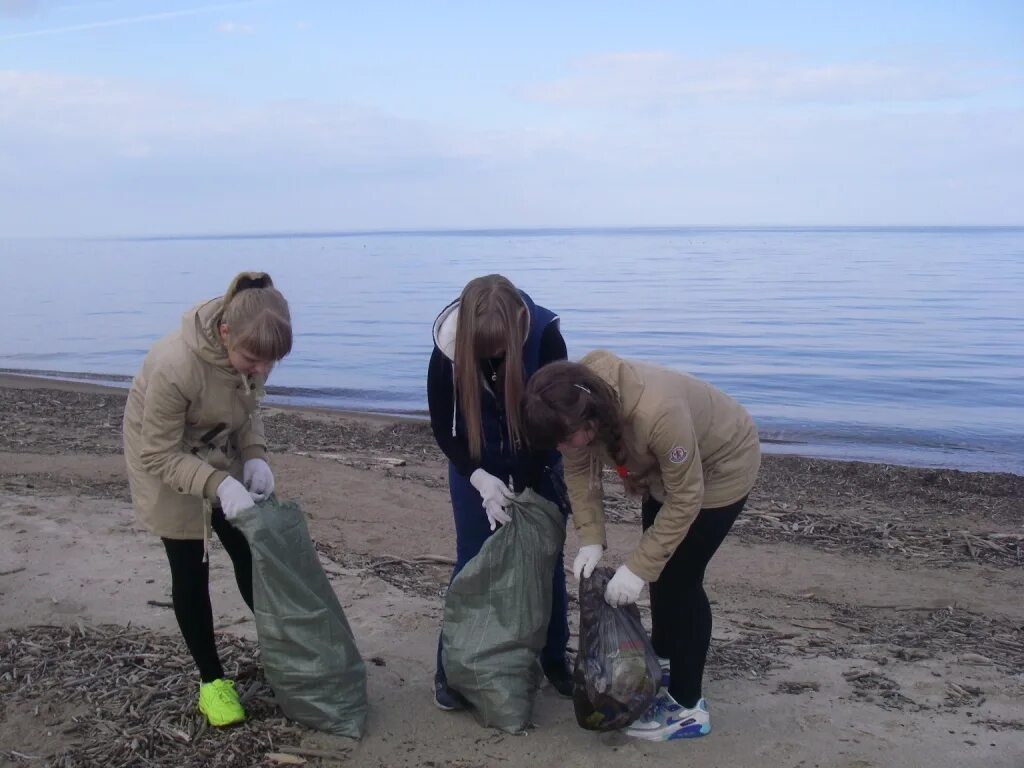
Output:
x=190 y=590
x=680 y=611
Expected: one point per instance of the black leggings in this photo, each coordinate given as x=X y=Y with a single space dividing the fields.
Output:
x=190 y=590
x=680 y=611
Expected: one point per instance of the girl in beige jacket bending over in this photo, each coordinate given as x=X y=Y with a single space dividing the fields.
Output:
x=693 y=454
x=196 y=455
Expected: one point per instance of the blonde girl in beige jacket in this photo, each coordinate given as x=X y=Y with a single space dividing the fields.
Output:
x=196 y=454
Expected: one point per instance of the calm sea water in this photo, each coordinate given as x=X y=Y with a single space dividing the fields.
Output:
x=900 y=345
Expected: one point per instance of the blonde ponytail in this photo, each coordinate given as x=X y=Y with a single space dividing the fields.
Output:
x=257 y=317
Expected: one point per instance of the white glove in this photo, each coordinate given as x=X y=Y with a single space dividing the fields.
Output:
x=258 y=479
x=233 y=497
x=587 y=559
x=495 y=494
x=624 y=588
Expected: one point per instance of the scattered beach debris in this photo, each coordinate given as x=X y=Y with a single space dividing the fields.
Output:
x=423 y=575
x=128 y=698
x=846 y=534
x=360 y=462
x=875 y=687
x=963 y=695
x=995 y=724
x=797 y=687
x=749 y=654
x=915 y=635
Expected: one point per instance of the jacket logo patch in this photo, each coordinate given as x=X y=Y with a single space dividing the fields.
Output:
x=677 y=455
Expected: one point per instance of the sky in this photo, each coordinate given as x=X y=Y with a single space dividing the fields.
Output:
x=127 y=118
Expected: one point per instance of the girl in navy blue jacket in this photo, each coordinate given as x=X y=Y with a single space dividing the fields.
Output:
x=487 y=344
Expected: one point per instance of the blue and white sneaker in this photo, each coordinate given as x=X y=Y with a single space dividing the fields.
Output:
x=666 y=720
x=666 y=668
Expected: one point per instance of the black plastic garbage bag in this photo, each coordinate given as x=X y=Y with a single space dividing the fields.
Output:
x=497 y=611
x=308 y=651
x=617 y=674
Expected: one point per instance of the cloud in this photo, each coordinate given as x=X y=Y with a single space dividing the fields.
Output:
x=659 y=81
x=119 y=22
x=91 y=155
x=85 y=155
x=235 y=28
x=103 y=120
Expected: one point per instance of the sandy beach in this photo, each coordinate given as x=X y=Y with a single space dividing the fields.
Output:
x=866 y=615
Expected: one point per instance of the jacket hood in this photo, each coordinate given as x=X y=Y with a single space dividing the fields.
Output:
x=446 y=325
x=444 y=329
x=619 y=374
x=199 y=329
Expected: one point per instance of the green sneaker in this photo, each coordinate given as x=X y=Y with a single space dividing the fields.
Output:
x=219 y=702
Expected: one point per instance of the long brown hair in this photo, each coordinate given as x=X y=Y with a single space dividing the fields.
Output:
x=563 y=397
x=492 y=319
x=257 y=317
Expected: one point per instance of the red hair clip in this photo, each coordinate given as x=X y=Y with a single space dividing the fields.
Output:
x=622 y=470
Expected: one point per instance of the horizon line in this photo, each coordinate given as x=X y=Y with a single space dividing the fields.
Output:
x=523 y=231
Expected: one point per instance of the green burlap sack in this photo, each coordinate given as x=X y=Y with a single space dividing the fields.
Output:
x=308 y=652
x=497 y=611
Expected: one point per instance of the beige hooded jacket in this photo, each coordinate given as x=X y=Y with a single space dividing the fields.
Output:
x=190 y=420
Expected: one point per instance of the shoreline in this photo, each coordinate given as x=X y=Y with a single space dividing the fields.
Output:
x=48 y=417
x=14 y=380
x=771 y=446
